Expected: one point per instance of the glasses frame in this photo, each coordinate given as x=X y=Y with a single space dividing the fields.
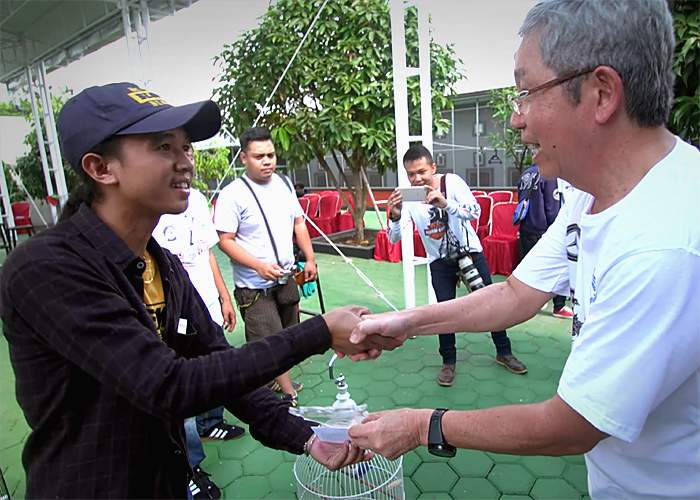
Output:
x=517 y=99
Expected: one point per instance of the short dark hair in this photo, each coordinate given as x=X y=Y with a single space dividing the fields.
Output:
x=254 y=134
x=417 y=152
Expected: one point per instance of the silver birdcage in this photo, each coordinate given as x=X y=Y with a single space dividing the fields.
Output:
x=377 y=478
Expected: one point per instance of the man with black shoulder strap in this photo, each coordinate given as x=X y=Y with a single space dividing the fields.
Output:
x=443 y=224
x=256 y=216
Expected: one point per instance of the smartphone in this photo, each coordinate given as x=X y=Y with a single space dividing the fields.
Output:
x=413 y=193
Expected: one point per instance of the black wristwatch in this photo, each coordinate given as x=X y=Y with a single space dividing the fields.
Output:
x=436 y=441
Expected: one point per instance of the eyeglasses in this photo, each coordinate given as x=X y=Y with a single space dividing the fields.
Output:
x=516 y=101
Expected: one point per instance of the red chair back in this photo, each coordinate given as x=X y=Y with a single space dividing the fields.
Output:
x=305 y=203
x=485 y=203
x=478 y=193
x=501 y=196
x=502 y=220
x=314 y=200
x=20 y=212
x=329 y=204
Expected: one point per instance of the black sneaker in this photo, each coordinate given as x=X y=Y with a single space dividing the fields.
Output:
x=222 y=432
x=201 y=486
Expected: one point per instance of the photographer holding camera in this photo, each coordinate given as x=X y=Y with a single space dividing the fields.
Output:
x=256 y=216
x=452 y=246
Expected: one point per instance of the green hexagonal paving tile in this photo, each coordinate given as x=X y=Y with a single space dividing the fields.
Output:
x=311 y=380
x=316 y=364
x=491 y=401
x=410 y=490
x=461 y=398
x=471 y=463
x=381 y=388
x=262 y=461
x=250 y=486
x=489 y=388
x=434 y=496
x=481 y=373
x=410 y=463
x=553 y=489
x=223 y=472
x=426 y=456
x=515 y=497
x=537 y=371
x=406 y=397
x=376 y=403
x=474 y=487
x=282 y=478
x=542 y=466
x=577 y=476
x=519 y=395
x=574 y=459
x=279 y=495
x=385 y=374
x=434 y=477
x=435 y=402
x=504 y=458
x=511 y=478
x=411 y=380
x=552 y=351
x=236 y=450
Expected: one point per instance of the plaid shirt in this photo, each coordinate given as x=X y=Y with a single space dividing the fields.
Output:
x=105 y=397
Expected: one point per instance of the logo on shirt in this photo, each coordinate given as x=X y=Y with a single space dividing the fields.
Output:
x=594 y=290
x=573 y=236
x=437 y=226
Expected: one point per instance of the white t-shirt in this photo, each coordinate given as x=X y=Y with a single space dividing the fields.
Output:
x=190 y=235
x=237 y=212
x=634 y=367
x=430 y=221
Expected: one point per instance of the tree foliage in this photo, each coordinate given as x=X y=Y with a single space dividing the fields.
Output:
x=509 y=140
x=337 y=98
x=685 y=115
x=210 y=166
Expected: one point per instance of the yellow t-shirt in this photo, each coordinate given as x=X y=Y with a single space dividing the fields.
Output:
x=153 y=295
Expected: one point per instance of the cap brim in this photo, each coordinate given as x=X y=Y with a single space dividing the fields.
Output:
x=201 y=120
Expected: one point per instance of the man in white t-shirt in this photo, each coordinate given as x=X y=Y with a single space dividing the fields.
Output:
x=257 y=216
x=443 y=223
x=596 y=87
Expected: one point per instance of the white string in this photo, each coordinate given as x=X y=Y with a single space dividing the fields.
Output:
x=274 y=90
x=349 y=262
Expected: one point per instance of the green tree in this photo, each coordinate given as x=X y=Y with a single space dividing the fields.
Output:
x=337 y=98
x=685 y=114
x=211 y=166
x=509 y=140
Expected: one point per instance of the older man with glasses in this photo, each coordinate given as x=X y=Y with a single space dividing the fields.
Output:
x=596 y=82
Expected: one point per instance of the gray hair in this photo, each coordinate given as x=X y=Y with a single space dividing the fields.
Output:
x=635 y=37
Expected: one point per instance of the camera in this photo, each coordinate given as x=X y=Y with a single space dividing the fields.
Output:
x=284 y=277
x=467 y=272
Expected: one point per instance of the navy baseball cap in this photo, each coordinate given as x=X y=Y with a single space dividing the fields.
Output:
x=98 y=113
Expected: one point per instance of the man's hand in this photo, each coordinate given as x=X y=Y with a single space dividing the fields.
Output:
x=436 y=198
x=310 y=271
x=269 y=271
x=379 y=328
x=337 y=455
x=392 y=433
x=229 y=314
x=341 y=323
x=394 y=203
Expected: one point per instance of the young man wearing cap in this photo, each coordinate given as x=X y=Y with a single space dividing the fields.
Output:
x=111 y=345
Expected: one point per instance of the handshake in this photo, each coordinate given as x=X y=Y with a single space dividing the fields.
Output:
x=360 y=335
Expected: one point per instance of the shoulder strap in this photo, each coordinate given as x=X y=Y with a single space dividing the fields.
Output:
x=267 y=225
x=286 y=181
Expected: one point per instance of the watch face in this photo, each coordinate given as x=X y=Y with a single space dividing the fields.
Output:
x=442 y=450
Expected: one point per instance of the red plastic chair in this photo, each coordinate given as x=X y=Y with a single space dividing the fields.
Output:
x=328 y=209
x=478 y=193
x=312 y=212
x=501 y=246
x=23 y=221
x=344 y=220
x=484 y=226
x=501 y=196
x=304 y=203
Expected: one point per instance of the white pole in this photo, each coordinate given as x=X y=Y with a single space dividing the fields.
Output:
x=398 y=53
x=40 y=142
x=52 y=135
x=6 y=203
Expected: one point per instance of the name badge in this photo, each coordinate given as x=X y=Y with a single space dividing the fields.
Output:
x=182 y=326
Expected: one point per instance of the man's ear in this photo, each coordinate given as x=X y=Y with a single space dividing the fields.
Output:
x=99 y=168
x=609 y=93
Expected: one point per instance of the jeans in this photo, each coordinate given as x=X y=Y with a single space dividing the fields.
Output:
x=195 y=451
x=209 y=419
x=527 y=241
x=444 y=279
